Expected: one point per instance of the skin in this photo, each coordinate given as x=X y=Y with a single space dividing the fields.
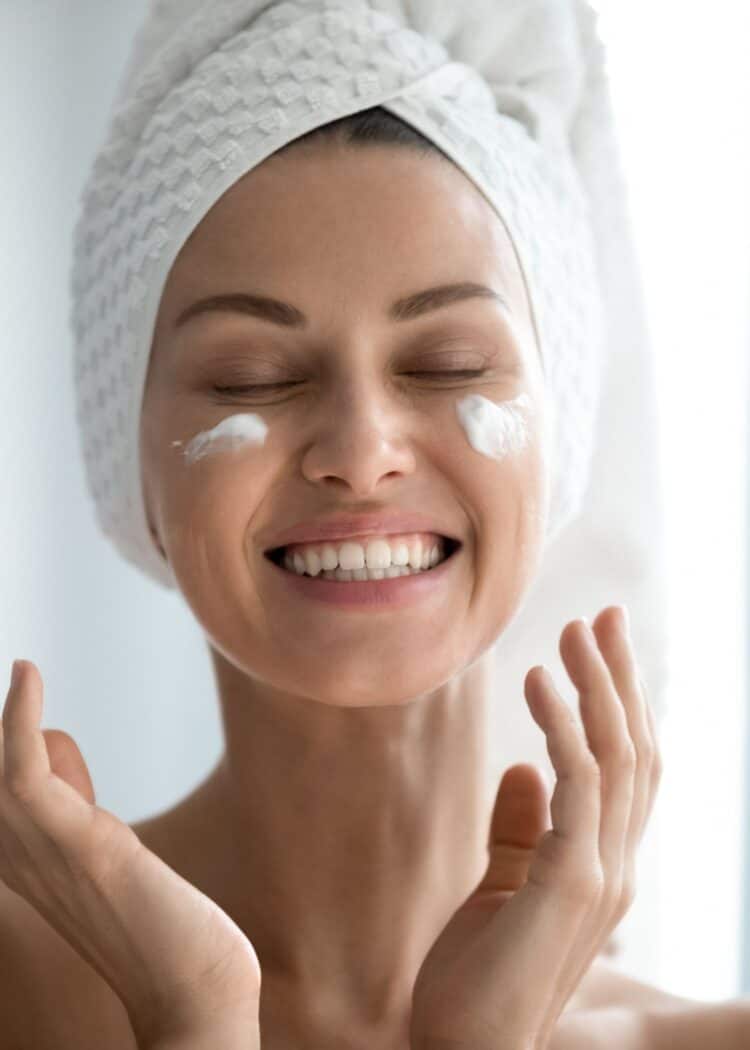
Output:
x=286 y=834
x=352 y=778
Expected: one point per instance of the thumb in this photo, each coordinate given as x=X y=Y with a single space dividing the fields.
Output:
x=519 y=819
x=67 y=762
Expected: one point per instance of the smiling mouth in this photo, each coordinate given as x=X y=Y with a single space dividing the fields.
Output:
x=277 y=556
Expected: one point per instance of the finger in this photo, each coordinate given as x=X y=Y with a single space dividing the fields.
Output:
x=565 y=878
x=606 y=728
x=568 y=853
x=35 y=803
x=67 y=762
x=613 y=637
x=521 y=808
x=26 y=763
x=624 y=778
x=18 y=748
x=519 y=819
x=657 y=762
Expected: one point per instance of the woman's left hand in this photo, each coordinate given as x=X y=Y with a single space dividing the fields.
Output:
x=502 y=971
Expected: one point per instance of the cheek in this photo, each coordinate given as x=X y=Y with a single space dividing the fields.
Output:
x=508 y=436
x=495 y=430
x=198 y=465
x=233 y=432
x=198 y=502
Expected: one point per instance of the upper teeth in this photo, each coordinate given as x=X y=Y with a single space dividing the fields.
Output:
x=420 y=552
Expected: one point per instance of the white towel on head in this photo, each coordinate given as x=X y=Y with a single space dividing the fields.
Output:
x=207 y=97
x=514 y=91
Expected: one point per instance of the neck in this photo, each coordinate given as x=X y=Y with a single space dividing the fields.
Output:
x=343 y=839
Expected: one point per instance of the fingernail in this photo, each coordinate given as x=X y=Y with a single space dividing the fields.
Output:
x=626 y=618
x=13 y=674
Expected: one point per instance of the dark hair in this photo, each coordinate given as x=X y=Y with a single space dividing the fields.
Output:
x=374 y=125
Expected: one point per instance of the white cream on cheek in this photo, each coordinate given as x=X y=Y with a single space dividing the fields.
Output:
x=495 y=430
x=243 y=428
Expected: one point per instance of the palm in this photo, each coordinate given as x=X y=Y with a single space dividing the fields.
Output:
x=462 y=967
x=177 y=911
x=125 y=911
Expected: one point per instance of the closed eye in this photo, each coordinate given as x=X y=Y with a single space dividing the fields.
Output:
x=265 y=387
x=465 y=373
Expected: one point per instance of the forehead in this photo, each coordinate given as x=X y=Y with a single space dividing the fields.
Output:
x=351 y=222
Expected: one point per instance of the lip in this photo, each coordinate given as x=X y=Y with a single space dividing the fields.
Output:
x=369 y=595
x=342 y=526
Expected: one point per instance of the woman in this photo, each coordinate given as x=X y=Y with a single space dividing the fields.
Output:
x=329 y=880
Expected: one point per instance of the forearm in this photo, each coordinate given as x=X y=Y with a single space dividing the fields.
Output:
x=230 y=1034
x=214 y=1040
x=699 y=1025
x=689 y=1026
x=208 y=1041
x=601 y=1028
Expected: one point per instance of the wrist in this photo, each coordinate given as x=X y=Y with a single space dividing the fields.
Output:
x=456 y=1044
x=225 y=1020
x=227 y=1034
x=602 y=1027
x=698 y=1024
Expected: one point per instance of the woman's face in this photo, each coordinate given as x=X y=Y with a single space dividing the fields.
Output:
x=366 y=419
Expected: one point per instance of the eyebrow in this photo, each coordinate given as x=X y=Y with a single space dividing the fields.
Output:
x=287 y=316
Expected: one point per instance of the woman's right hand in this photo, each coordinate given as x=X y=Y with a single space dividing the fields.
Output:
x=172 y=956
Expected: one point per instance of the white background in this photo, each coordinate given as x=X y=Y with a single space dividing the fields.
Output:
x=125 y=669
x=681 y=91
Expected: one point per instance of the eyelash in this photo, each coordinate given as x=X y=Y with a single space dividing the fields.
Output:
x=230 y=390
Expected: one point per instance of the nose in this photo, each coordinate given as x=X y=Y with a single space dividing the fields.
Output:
x=360 y=439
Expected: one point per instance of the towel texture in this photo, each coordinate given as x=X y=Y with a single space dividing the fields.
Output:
x=211 y=90
x=515 y=92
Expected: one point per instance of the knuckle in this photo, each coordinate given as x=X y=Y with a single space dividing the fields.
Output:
x=580 y=880
x=103 y=850
x=654 y=775
x=646 y=761
x=645 y=750
x=21 y=787
x=657 y=767
x=583 y=882
x=627 y=894
x=624 y=890
x=590 y=769
x=625 y=757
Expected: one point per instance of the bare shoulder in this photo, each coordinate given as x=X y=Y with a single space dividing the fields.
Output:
x=50 y=998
